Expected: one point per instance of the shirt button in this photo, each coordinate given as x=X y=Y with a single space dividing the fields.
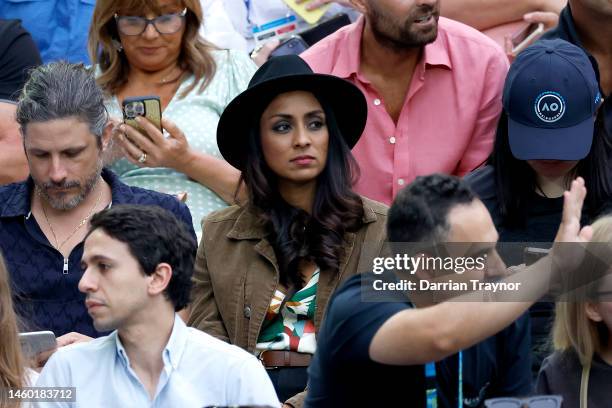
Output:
x=400 y=182
x=392 y=140
x=377 y=102
x=247 y=312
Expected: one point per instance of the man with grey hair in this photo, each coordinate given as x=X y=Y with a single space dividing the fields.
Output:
x=65 y=129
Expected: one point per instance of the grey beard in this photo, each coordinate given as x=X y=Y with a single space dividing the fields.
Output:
x=63 y=205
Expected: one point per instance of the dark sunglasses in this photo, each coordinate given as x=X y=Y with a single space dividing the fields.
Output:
x=540 y=401
x=164 y=24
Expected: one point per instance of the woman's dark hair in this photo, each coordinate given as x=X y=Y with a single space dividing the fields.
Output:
x=295 y=234
x=515 y=180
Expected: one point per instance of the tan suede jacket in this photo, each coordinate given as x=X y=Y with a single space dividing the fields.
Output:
x=236 y=273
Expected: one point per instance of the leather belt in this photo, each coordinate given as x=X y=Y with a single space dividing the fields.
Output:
x=279 y=358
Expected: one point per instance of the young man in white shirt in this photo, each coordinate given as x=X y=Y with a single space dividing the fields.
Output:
x=137 y=265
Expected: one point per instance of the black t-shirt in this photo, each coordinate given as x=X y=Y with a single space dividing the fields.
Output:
x=561 y=374
x=18 y=54
x=543 y=217
x=541 y=225
x=343 y=375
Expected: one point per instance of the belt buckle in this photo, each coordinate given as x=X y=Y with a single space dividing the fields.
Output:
x=263 y=363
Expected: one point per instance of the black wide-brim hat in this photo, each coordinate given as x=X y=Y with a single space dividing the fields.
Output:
x=277 y=76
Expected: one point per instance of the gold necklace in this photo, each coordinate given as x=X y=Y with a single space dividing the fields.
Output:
x=78 y=227
x=167 y=79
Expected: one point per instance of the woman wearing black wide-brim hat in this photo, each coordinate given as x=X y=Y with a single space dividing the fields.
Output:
x=266 y=269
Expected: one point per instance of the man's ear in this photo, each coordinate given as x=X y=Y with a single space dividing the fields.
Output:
x=160 y=279
x=107 y=134
x=592 y=311
x=360 y=6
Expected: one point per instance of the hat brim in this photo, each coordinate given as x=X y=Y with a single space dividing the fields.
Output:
x=346 y=100
x=569 y=143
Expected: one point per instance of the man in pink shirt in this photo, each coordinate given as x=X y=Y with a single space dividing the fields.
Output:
x=433 y=87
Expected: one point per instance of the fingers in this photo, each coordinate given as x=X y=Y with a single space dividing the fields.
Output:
x=586 y=233
x=42 y=357
x=261 y=56
x=548 y=18
x=573 y=200
x=315 y=4
x=569 y=230
x=134 y=143
x=71 y=338
x=65 y=340
x=173 y=130
x=152 y=130
x=135 y=137
x=509 y=47
x=132 y=152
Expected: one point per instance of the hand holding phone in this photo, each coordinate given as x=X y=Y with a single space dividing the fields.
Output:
x=524 y=38
x=293 y=46
x=169 y=148
x=33 y=343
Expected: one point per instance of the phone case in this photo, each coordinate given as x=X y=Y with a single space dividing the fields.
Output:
x=310 y=16
x=152 y=111
x=528 y=40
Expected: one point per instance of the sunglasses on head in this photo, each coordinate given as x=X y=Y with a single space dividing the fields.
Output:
x=540 y=401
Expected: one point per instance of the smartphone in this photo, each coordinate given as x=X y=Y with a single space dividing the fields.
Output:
x=294 y=45
x=33 y=343
x=325 y=28
x=147 y=106
x=531 y=255
x=525 y=37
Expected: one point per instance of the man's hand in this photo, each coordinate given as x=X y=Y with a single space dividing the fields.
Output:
x=315 y=4
x=569 y=248
x=570 y=230
x=550 y=19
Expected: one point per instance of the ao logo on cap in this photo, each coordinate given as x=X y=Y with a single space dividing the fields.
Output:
x=549 y=106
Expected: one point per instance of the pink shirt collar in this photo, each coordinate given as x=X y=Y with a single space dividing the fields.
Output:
x=348 y=61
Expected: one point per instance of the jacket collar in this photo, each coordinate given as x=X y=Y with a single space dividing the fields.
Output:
x=248 y=226
x=349 y=56
x=18 y=202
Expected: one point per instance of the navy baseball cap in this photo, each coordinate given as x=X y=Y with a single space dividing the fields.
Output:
x=551 y=96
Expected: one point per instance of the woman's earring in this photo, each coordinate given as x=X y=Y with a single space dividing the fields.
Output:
x=117 y=45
